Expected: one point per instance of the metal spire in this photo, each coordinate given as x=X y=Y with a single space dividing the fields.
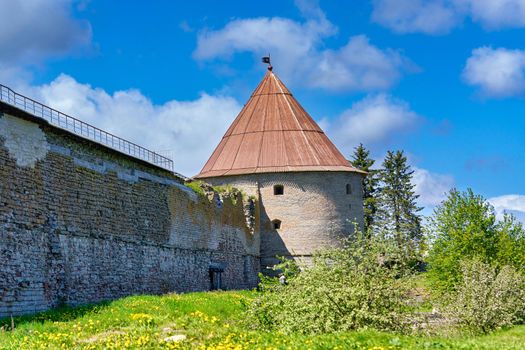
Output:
x=266 y=59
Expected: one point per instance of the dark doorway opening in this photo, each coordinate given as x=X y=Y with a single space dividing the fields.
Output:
x=215 y=271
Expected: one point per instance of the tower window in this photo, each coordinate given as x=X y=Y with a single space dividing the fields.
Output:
x=350 y=206
x=348 y=189
x=276 y=224
x=278 y=190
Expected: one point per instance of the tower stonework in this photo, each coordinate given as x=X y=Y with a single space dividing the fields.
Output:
x=310 y=196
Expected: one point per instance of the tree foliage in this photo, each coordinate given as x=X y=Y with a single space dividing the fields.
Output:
x=398 y=210
x=362 y=161
x=464 y=226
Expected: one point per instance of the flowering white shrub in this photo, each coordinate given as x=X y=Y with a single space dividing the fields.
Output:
x=487 y=298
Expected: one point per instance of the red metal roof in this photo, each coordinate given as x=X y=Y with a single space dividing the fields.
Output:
x=273 y=133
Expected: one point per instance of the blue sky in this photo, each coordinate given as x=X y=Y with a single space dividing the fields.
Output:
x=443 y=80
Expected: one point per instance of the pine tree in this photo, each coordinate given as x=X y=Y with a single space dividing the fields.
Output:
x=397 y=210
x=362 y=161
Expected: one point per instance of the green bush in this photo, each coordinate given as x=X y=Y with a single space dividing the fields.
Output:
x=464 y=226
x=196 y=186
x=357 y=287
x=488 y=298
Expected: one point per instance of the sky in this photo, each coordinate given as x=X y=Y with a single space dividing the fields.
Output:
x=443 y=80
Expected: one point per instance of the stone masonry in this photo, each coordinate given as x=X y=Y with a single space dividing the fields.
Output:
x=81 y=223
x=315 y=210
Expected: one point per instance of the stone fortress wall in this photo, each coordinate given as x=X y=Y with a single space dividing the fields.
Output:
x=314 y=211
x=81 y=223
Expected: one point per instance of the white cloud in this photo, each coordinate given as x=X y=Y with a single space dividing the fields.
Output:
x=188 y=129
x=298 y=54
x=375 y=120
x=281 y=36
x=512 y=204
x=15 y=77
x=356 y=66
x=440 y=16
x=497 y=72
x=410 y=16
x=432 y=188
x=32 y=29
x=495 y=14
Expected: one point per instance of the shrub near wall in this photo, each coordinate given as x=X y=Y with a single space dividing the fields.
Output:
x=345 y=289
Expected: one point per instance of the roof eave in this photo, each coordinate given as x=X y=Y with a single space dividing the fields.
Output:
x=302 y=169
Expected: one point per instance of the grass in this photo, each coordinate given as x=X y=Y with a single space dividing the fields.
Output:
x=213 y=320
x=196 y=187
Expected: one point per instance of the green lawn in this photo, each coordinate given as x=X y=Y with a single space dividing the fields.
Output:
x=211 y=320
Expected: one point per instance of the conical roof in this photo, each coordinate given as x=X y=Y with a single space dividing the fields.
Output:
x=273 y=133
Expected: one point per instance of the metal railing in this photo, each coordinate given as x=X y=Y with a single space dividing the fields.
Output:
x=82 y=129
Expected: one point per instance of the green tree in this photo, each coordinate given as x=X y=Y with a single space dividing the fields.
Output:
x=362 y=161
x=463 y=227
x=398 y=210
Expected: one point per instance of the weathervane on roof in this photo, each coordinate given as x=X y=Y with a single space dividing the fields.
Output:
x=266 y=59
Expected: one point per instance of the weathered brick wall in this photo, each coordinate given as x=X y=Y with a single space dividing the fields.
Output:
x=82 y=223
x=315 y=210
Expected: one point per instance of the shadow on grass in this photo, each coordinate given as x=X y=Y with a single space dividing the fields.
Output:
x=58 y=314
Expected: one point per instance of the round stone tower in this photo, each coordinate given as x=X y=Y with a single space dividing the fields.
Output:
x=309 y=194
